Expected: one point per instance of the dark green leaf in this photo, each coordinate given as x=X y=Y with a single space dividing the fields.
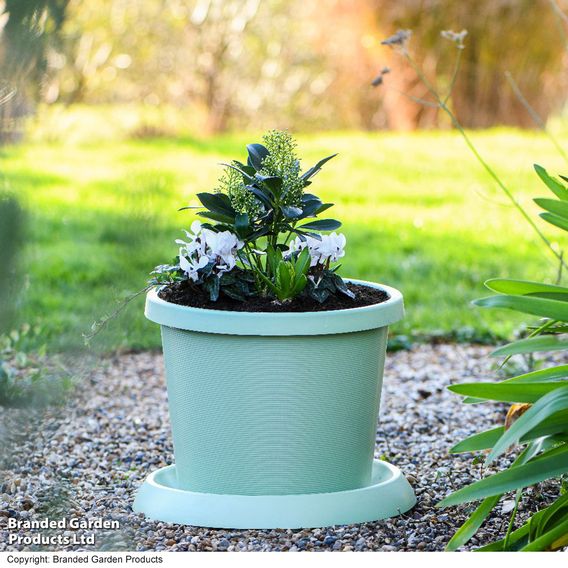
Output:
x=315 y=169
x=256 y=155
x=216 y=217
x=247 y=177
x=341 y=286
x=217 y=203
x=249 y=170
x=242 y=224
x=310 y=208
x=324 y=207
x=212 y=285
x=321 y=225
x=310 y=197
x=262 y=195
x=273 y=183
x=291 y=212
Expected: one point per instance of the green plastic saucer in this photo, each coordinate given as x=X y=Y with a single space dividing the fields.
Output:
x=389 y=494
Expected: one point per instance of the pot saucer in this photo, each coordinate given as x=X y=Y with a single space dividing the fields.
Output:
x=389 y=494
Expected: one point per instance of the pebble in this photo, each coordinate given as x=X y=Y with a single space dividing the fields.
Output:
x=88 y=459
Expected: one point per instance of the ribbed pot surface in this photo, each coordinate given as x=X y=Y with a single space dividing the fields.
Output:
x=271 y=415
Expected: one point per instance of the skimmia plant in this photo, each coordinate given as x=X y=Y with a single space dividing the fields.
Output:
x=261 y=233
x=537 y=421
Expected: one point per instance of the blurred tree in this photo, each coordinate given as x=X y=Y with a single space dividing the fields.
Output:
x=304 y=63
x=27 y=30
x=518 y=36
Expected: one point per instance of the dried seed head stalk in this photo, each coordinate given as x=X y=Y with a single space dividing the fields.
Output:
x=457 y=37
x=399 y=40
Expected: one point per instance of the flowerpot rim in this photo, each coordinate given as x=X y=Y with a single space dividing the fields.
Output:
x=328 y=322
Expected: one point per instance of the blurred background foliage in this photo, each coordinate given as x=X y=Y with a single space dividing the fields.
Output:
x=301 y=64
x=122 y=110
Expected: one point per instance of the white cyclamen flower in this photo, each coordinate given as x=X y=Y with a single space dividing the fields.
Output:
x=222 y=248
x=330 y=247
x=196 y=238
x=207 y=246
x=298 y=245
x=191 y=265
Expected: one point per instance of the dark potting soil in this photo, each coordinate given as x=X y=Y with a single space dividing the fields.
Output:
x=184 y=295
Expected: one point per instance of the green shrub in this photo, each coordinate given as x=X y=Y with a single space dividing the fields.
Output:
x=29 y=378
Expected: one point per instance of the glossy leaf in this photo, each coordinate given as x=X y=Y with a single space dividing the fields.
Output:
x=321 y=225
x=217 y=203
x=310 y=208
x=273 y=183
x=262 y=195
x=190 y=207
x=246 y=176
x=242 y=223
x=291 y=212
x=216 y=217
x=256 y=155
x=315 y=169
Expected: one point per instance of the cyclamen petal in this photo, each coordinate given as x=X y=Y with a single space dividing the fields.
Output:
x=330 y=247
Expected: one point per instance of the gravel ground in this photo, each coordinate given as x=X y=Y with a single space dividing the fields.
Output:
x=87 y=460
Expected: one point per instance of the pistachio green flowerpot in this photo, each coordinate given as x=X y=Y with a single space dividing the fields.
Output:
x=274 y=404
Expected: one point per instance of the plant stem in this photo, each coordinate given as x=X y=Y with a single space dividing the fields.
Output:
x=457 y=125
x=534 y=115
x=99 y=325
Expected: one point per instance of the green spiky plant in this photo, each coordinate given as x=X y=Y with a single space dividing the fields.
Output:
x=540 y=430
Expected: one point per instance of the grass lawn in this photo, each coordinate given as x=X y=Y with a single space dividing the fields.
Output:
x=418 y=212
